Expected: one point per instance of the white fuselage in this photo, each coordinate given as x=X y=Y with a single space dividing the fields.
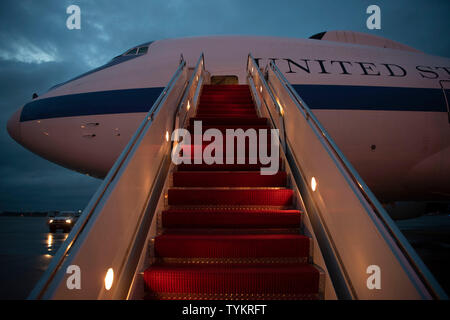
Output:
x=385 y=108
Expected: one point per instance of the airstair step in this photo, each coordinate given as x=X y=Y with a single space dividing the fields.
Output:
x=232 y=281
x=228 y=179
x=245 y=196
x=231 y=246
x=230 y=218
x=216 y=120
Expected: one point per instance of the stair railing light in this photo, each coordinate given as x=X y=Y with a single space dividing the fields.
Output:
x=109 y=279
x=313 y=184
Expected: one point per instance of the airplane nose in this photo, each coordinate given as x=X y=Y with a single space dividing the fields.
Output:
x=13 y=125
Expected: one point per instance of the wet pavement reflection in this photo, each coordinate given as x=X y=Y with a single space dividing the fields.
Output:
x=26 y=249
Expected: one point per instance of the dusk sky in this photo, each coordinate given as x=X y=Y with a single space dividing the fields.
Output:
x=37 y=51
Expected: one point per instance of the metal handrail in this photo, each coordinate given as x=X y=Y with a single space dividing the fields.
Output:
x=360 y=184
x=200 y=62
x=416 y=263
x=74 y=235
x=272 y=97
x=345 y=292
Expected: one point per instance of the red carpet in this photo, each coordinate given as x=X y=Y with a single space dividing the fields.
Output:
x=230 y=197
x=231 y=245
x=215 y=120
x=227 y=179
x=228 y=231
x=232 y=281
x=234 y=218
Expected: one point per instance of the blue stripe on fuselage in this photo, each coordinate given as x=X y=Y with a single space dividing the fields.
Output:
x=371 y=98
x=332 y=97
x=91 y=103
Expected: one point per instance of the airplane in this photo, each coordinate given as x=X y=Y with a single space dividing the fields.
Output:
x=384 y=103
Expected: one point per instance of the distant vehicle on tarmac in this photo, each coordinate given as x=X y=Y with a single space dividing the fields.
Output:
x=63 y=220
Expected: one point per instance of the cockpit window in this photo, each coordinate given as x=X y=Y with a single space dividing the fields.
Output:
x=142 y=50
x=136 y=51
x=131 y=52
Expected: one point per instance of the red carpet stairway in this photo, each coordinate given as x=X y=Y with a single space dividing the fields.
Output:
x=228 y=231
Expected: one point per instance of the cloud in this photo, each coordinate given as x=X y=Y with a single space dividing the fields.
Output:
x=27 y=52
